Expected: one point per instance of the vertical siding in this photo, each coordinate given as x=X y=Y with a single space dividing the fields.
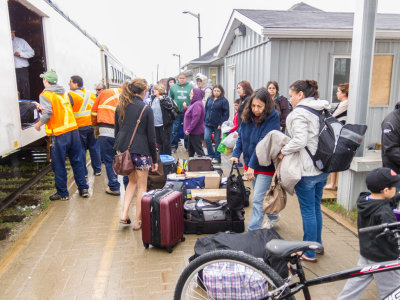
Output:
x=287 y=60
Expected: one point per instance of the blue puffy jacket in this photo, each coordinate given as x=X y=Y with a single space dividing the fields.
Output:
x=217 y=112
x=250 y=135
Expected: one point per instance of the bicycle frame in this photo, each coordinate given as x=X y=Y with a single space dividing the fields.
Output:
x=303 y=284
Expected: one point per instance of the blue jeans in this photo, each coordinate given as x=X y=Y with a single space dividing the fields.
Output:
x=89 y=142
x=260 y=187
x=217 y=137
x=309 y=192
x=67 y=144
x=175 y=131
x=108 y=152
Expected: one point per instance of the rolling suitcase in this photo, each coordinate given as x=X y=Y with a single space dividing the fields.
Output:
x=162 y=219
x=202 y=163
x=178 y=186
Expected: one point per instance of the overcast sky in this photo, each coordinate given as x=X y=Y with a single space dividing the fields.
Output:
x=142 y=34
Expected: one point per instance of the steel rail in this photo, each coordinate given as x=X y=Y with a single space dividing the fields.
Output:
x=26 y=186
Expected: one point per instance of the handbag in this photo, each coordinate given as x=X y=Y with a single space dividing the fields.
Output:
x=235 y=190
x=122 y=163
x=275 y=198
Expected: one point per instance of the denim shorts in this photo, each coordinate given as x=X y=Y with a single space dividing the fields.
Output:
x=141 y=162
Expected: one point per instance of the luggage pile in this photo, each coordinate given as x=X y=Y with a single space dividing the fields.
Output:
x=188 y=197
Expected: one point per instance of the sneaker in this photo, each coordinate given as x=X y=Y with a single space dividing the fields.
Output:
x=57 y=196
x=111 y=192
x=97 y=173
x=84 y=193
x=269 y=224
x=215 y=161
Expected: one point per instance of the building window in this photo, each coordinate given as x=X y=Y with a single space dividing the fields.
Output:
x=341 y=74
x=380 y=81
x=212 y=74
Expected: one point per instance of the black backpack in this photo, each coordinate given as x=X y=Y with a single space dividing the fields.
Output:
x=337 y=143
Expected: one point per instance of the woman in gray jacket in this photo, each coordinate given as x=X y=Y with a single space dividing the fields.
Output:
x=303 y=128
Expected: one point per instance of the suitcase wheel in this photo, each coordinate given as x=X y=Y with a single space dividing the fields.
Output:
x=146 y=245
x=169 y=249
x=183 y=239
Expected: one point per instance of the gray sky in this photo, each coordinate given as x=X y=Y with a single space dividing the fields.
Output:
x=142 y=34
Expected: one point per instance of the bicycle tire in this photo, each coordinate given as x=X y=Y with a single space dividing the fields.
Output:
x=190 y=275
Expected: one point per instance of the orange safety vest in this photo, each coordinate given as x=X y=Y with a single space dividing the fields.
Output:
x=103 y=110
x=62 y=120
x=83 y=101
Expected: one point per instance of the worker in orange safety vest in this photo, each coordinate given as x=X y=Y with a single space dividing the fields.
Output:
x=61 y=125
x=103 y=115
x=82 y=101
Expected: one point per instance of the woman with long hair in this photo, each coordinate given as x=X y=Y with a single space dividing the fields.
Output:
x=303 y=128
x=244 y=91
x=259 y=118
x=280 y=101
x=143 y=149
x=217 y=112
x=162 y=107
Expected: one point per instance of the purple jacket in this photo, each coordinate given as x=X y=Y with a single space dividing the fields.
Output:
x=194 y=115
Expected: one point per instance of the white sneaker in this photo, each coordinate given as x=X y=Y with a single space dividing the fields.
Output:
x=214 y=161
x=268 y=224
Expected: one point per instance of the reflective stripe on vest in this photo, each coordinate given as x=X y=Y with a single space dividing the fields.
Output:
x=62 y=120
x=82 y=115
x=104 y=105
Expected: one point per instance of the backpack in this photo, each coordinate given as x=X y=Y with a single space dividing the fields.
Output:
x=337 y=143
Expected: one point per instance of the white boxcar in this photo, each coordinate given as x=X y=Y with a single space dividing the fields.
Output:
x=59 y=44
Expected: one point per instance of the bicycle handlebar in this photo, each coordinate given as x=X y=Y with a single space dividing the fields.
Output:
x=380 y=227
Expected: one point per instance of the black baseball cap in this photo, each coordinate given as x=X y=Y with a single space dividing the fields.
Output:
x=381 y=178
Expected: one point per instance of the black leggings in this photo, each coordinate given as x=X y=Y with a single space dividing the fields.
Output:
x=163 y=139
x=195 y=145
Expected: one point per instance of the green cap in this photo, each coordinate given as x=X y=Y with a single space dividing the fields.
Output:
x=50 y=76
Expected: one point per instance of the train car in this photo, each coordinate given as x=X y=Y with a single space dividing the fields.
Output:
x=59 y=44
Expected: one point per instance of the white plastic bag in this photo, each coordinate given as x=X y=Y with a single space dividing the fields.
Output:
x=230 y=140
x=226 y=126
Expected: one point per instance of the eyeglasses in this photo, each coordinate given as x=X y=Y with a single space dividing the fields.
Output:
x=99 y=90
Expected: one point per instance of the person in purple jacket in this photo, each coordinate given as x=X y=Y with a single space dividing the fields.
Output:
x=193 y=122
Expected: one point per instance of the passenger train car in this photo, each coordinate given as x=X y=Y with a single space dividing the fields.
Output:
x=59 y=44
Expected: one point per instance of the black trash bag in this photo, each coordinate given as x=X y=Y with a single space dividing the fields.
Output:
x=251 y=242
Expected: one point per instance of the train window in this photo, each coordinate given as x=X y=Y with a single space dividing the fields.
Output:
x=113 y=76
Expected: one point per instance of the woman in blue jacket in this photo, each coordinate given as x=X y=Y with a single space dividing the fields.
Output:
x=259 y=117
x=217 y=112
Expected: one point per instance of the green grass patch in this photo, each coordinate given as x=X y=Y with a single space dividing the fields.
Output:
x=332 y=205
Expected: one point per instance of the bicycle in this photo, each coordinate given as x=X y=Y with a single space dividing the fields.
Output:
x=192 y=283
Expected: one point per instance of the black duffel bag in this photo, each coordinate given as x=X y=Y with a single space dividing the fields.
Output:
x=251 y=242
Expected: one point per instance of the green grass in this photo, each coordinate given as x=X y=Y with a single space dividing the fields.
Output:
x=332 y=205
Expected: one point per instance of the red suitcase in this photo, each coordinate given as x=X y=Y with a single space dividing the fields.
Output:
x=197 y=164
x=162 y=219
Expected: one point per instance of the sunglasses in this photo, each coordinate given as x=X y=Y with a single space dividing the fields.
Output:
x=99 y=89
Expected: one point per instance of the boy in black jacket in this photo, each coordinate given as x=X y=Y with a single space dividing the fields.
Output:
x=373 y=209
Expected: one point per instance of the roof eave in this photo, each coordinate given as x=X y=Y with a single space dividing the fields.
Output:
x=323 y=33
x=235 y=20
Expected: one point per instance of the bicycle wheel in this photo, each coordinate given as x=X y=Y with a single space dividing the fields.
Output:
x=252 y=278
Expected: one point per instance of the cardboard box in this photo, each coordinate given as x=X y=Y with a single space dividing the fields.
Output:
x=209 y=194
x=176 y=176
x=212 y=178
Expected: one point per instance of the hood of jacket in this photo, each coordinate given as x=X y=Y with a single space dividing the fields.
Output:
x=58 y=89
x=368 y=207
x=316 y=104
x=198 y=95
x=204 y=81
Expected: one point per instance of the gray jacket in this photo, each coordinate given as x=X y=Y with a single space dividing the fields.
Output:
x=267 y=150
x=303 y=128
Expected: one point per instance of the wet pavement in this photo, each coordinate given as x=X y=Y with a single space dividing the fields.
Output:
x=78 y=250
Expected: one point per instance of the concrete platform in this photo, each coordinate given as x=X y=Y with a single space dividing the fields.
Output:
x=78 y=250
